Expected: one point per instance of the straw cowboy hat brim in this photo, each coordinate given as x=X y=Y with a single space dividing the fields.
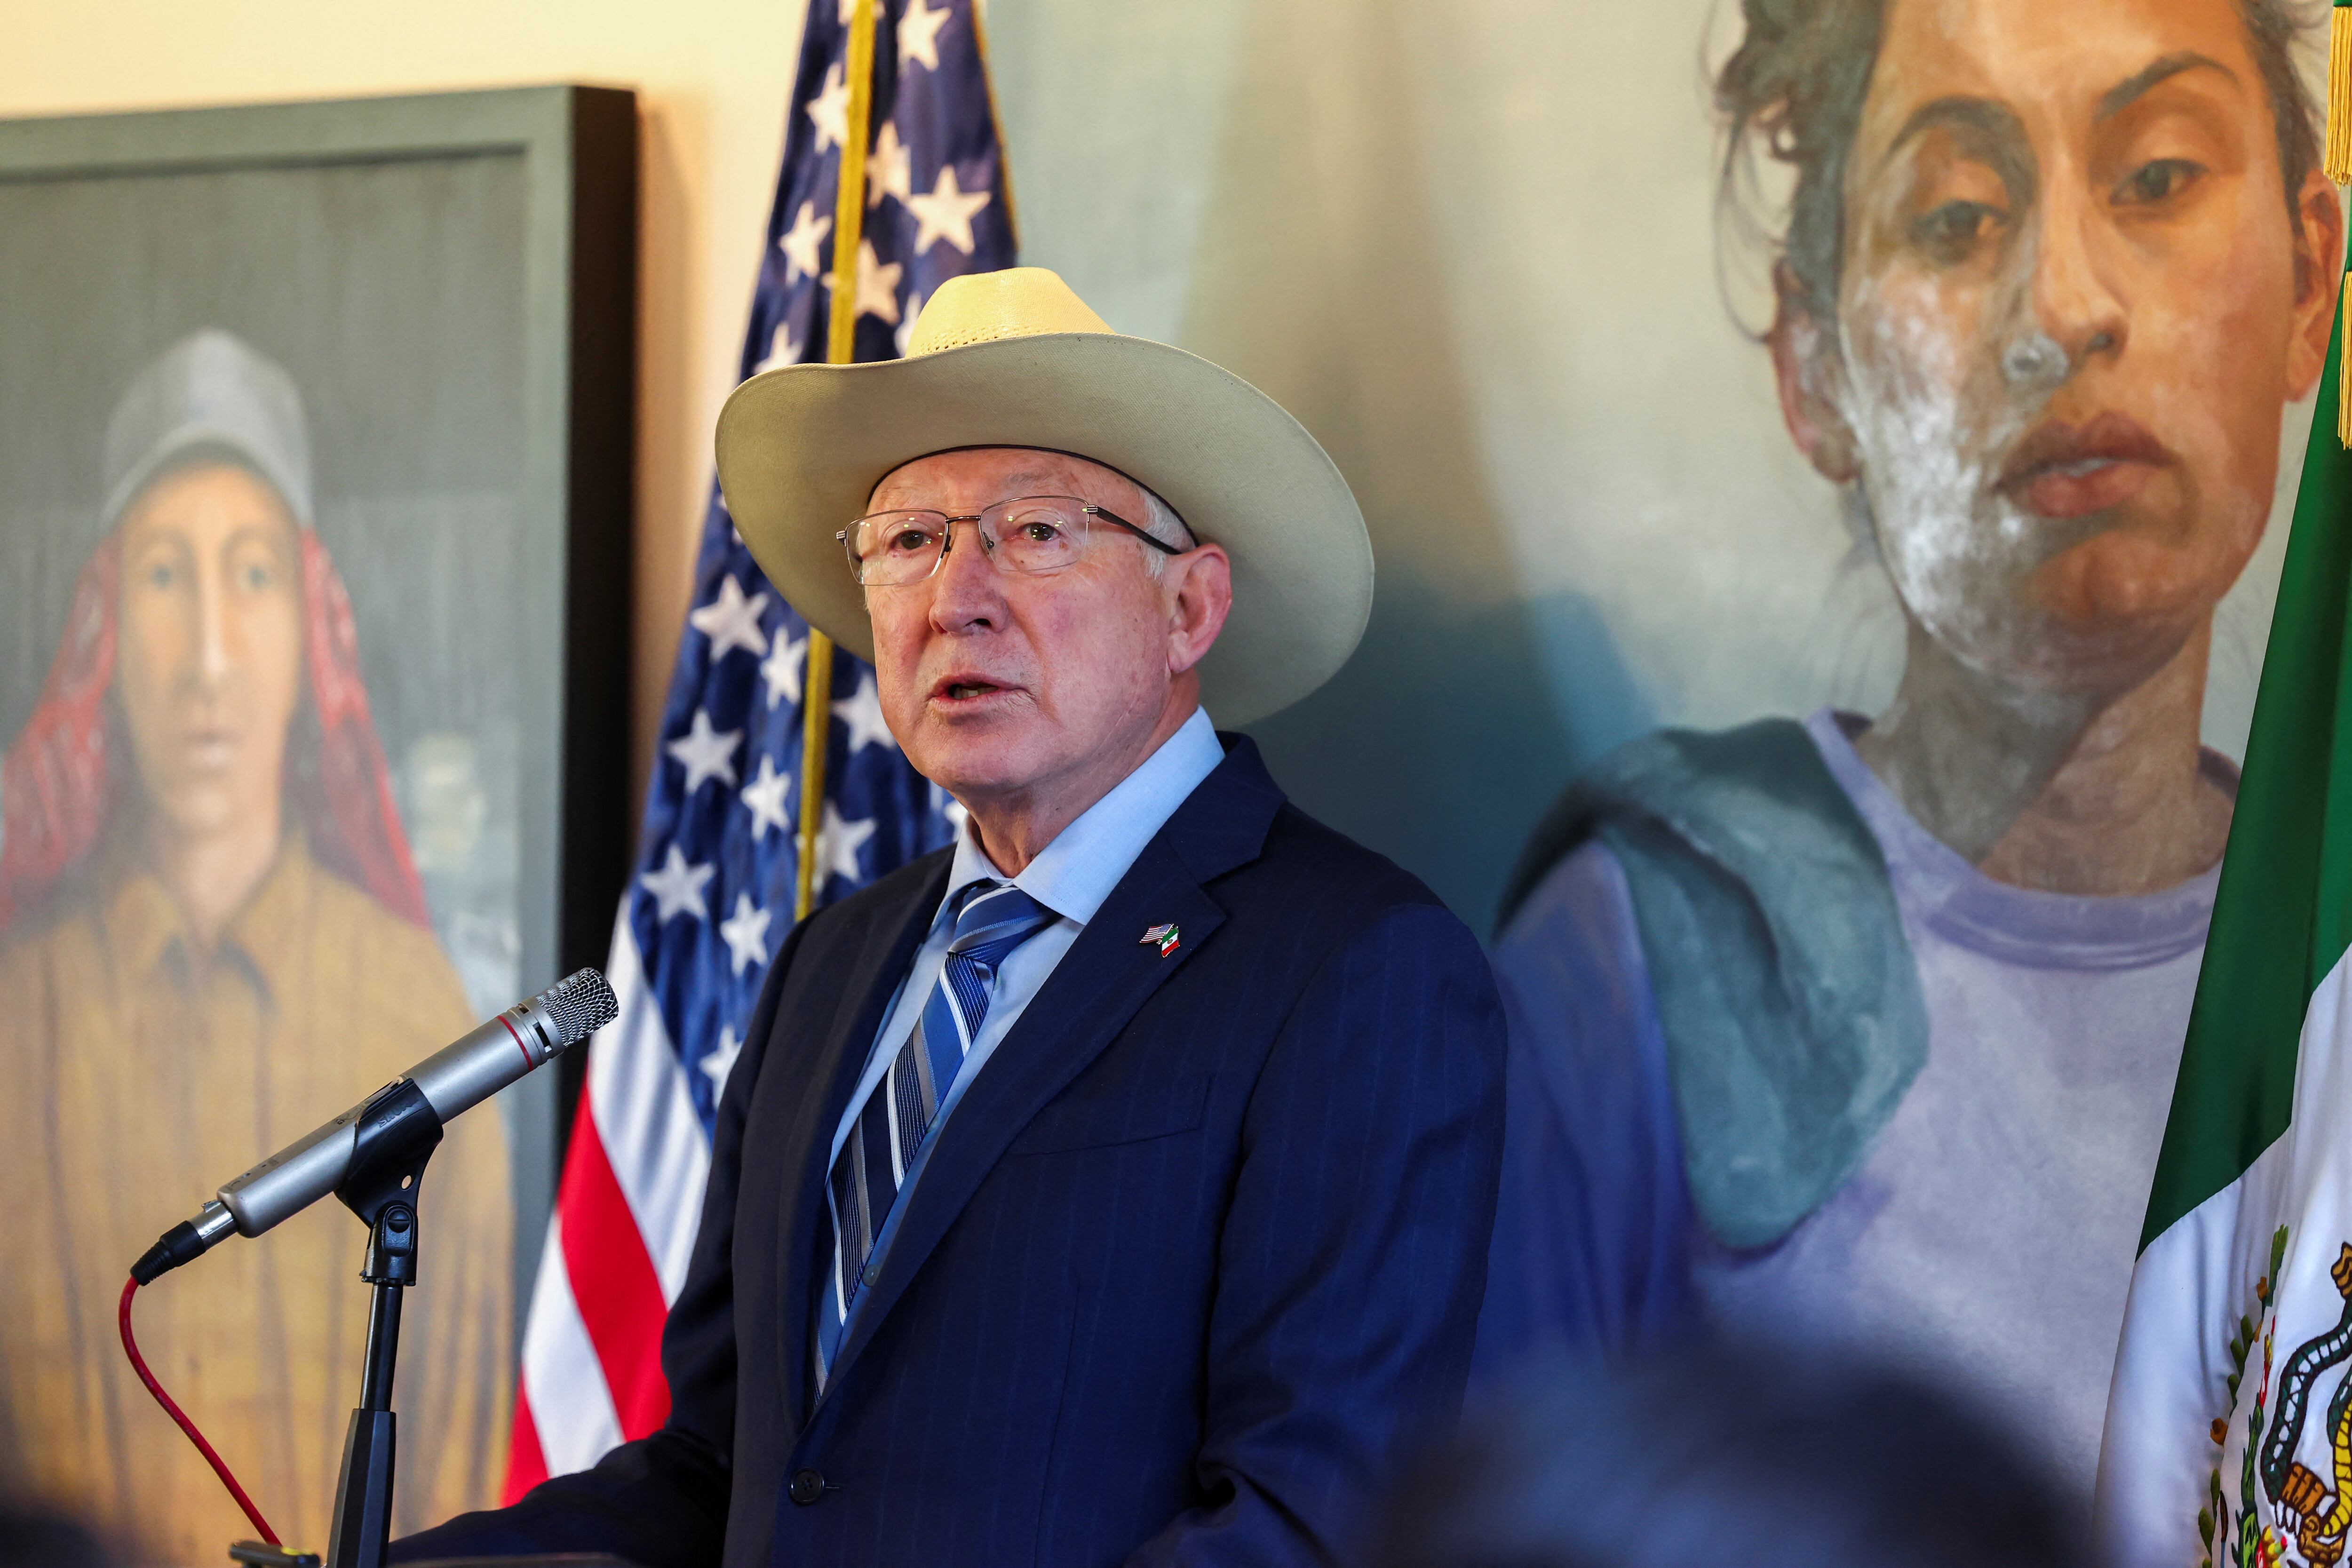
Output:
x=801 y=447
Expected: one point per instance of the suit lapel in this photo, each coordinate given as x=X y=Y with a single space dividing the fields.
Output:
x=1100 y=984
x=872 y=979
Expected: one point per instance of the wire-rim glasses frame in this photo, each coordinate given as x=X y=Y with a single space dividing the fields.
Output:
x=1029 y=557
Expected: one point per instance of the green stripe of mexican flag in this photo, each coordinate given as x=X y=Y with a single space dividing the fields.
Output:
x=2283 y=913
x=2228 y=1436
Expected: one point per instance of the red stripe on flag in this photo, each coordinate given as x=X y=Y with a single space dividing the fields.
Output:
x=526 y=1463
x=613 y=1280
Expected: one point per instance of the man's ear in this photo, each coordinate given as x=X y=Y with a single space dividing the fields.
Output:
x=2319 y=241
x=1805 y=371
x=1201 y=595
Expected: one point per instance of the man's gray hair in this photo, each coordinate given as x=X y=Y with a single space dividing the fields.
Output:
x=1160 y=522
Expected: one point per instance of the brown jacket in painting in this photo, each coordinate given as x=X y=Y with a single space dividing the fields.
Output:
x=141 y=1075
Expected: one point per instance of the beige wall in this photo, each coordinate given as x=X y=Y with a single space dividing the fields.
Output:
x=711 y=74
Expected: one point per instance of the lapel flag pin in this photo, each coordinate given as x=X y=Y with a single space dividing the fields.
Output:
x=1165 y=935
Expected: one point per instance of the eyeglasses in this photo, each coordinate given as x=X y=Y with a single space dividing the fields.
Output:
x=1028 y=534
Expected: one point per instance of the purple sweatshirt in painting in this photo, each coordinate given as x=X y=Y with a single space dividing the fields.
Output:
x=1986 y=1238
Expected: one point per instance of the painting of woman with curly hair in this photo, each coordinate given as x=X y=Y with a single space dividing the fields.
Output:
x=1861 y=1029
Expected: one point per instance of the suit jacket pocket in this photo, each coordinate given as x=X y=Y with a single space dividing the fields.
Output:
x=1136 y=1113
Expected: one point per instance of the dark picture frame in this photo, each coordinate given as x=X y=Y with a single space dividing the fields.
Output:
x=561 y=164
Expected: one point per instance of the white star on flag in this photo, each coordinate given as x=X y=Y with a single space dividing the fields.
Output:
x=731 y=621
x=945 y=214
x=782 y=350
x=863 y=714
x=765 y=797
x=722 y=1059
x=919 y=35
x=838 y=843
x=829 y=110
x=889 y=172
x=878 y=284
x=707 y=753
x=782 y=671
x=678 y=887
x=746 y=934
x=799 y=243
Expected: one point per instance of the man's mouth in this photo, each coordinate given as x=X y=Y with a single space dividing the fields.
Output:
x=210 y=746
x=961 y=689
x=2063 y=471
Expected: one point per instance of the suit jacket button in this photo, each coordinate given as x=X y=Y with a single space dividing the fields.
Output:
x=806 y=1486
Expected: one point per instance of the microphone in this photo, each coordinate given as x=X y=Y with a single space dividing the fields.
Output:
x=453 y=1079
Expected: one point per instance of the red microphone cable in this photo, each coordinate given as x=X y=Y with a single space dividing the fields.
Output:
x=139 y=1364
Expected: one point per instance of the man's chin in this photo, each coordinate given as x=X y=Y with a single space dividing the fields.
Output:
x=973 y=761
x=188 y=810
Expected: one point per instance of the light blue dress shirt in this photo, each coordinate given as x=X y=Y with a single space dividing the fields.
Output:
x=1071 y=877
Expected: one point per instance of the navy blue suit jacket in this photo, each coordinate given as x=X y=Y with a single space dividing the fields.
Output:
x=1199 y=1253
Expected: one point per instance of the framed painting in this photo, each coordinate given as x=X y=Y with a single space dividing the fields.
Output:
x=316 y=435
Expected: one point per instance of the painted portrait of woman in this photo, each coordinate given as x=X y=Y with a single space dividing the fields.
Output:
x=213 y=937
x=1859 y=1029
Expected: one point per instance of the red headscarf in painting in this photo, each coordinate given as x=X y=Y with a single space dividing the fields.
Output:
x=57 y=791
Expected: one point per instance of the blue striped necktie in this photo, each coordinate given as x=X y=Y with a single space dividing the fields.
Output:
x=997 y=918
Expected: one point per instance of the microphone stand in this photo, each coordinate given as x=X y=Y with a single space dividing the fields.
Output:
x=398 y=1130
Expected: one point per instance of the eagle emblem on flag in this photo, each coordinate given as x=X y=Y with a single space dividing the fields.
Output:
x=2290 y=1513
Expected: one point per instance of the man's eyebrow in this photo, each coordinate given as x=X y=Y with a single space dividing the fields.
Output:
x=2125 y=93
x=1981 y=114
x=268 y=533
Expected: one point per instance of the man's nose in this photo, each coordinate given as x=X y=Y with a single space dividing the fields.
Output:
x=2076 y=294
x=966 y=591
x=213 y=652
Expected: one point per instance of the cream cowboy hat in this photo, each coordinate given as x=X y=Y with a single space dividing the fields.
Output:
x=1016 y=359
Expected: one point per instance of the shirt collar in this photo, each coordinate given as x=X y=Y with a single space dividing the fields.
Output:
x=144 y=923
x=1073 y=874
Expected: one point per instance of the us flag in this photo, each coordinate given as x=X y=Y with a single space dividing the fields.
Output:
x=713 y=891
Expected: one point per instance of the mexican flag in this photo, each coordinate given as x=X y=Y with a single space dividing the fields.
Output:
x=2228 y=1436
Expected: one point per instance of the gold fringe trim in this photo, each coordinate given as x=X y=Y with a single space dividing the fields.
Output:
x=2336 y=158
x=2344 y=368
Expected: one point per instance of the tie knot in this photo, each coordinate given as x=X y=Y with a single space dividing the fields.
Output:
x=997 y=918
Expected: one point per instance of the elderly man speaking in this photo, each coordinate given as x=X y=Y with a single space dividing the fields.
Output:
x=1116 y=1185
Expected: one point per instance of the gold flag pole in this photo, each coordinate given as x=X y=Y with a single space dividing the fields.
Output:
x=841 y=348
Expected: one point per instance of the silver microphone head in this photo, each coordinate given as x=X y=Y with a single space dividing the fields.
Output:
x=580 y=1004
